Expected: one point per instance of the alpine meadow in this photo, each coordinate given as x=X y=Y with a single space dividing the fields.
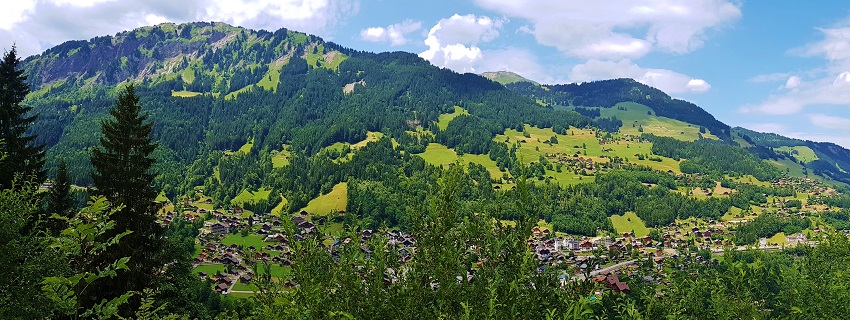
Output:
x=208 y=171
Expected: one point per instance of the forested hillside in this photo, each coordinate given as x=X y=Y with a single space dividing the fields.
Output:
x=208 y=171
x=213 y=88
x=607 y=93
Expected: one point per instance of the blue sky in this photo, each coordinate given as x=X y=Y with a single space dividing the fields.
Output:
x=778 y=66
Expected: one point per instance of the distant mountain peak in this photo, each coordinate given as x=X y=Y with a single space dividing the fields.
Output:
x=506 y=77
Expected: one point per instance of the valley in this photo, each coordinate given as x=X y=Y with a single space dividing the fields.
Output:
x=271 y=174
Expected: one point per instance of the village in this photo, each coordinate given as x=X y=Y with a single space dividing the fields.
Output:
x=234 y=242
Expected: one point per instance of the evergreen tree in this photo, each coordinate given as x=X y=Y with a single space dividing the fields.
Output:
x=122 y=174
x=59 y=199
x=23 y=158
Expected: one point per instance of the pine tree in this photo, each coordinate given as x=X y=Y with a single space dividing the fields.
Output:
x=59 y=199
x=122 y=174
x=22 y=157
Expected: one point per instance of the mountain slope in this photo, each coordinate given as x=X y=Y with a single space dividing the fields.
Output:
x=506 y=77
x=826 y=159
x=210 y=88
x=607 y=93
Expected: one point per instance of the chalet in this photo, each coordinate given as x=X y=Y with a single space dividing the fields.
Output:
x=238 y=209
x=306 y=225
x=222 y=288
x=246 y=278
x=208 y=201
x=220 y=228
x=612 y=281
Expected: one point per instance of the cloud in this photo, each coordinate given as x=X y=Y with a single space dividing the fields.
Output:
x=766 y=127
x=610 y=29
x=37 y=25
x=828 y=85
x=835 y=45
x=668 y=81
x=393 y=33
x=829 y=122
x=453 y=42
x=793 y=82
x=773 y=77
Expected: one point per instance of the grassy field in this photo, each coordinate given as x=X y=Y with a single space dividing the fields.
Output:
x=339 y=147
x=370 y=137
x=247 y=196
x=188 y=75
x=280 y=159
x=161 y=197
x=438 y=154
x=803 y=153
x=444 y=119
x=280 y=206
x=636 y=114
x=792 y=168
x=272 y=78
x=629 y=222
x=246 y=148
x=277 y=271
x=246 y=241
x=312 y=58
x=505 y=77
x=209 y=268
x=335 y=200
x=583 y=141
x=184 y=94
x=778 y=239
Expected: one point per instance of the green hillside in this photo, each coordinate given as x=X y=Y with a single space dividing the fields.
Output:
x=506 y=77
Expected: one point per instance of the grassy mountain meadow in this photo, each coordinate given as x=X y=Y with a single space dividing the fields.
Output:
x=305 y=180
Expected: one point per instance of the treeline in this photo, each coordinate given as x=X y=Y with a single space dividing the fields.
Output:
x=468 y=265
x=712 y=157
x=767 y=225
x=608 y=93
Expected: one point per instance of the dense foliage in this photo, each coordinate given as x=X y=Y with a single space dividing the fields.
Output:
x=713 y=157
x=23 y=157
x=607 y=93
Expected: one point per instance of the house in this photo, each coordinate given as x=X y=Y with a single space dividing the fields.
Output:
x=612 y=281
x=246 y=278
x=571 y=244
x=221 y=288
x=220 y=228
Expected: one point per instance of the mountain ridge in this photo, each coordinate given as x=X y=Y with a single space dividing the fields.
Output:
x=300 y=82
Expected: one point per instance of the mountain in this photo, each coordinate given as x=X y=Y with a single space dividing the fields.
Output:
x=607 y=93
x=821 y=158
x=215 y=90
x=506 y=77
x=212 y=89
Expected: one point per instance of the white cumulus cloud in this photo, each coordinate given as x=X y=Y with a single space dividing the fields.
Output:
x=668 y=81
x=453 y=42
x=394 y=33
x=611 y=29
